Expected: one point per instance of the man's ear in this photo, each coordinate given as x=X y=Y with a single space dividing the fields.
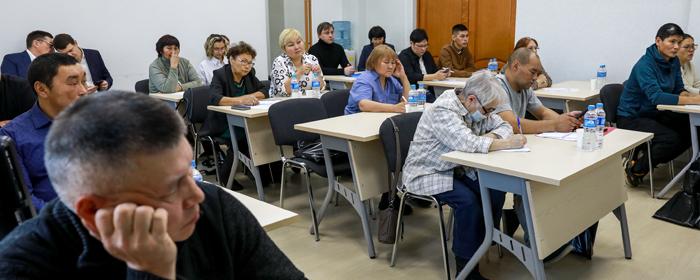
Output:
x=86 y=208
x=41 y=89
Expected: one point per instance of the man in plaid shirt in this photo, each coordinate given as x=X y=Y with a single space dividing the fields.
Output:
x=461 y=121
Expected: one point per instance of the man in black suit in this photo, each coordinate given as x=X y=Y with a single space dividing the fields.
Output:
x=16 y=64
x=418 y=63
x=98 y=77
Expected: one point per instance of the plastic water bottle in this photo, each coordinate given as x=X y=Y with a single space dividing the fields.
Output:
x=196 y=175
x=422 y=97
x=294 y=84
x=412 y=104
x=601 y=76
x=600 y=125
x=493 y=66
x=315 y=87
x=589 y=129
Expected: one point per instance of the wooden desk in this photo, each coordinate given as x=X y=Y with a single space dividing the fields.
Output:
x=693 y=112
x=564 y=191
x=339 y=81
x=171 y=98
x=443 y=85
x=563 y=95
x=269 y=216
x=261 y=145
x=358 y=136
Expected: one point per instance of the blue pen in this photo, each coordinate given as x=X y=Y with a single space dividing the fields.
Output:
x=519 y=127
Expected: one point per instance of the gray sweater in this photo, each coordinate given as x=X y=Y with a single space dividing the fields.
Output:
x=163 y=79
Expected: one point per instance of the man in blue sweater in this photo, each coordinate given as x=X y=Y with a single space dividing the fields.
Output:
x=656 y=80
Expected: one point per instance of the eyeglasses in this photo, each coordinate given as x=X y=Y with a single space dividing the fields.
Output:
x=421 y=46
x=690 y=47
x=245 y=62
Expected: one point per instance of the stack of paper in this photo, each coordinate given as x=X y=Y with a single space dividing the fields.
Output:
x=560 y=90
x=265 y=104
x=566 y=136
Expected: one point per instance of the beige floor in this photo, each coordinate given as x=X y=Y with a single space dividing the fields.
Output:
x=660 y=250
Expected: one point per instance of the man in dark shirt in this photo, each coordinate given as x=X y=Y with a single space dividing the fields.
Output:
x=418 y=63
x=16 y=97
x=330 y=55
x=57 y=80
x=129 y=207
x=97 y=75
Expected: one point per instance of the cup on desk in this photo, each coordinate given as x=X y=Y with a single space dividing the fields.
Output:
x=579 y=138
x=593 y=84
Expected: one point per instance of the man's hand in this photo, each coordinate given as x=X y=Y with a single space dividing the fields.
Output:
x=102 y=85
x=566 y=122
x=349 y=70
x=138 y=236
x=516 y=141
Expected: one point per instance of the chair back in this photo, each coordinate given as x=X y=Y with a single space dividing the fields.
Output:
x=610 y=97
x=15 y=201
x=141 y=86
x=285 y=114
x=396 y=134
x=265 y=89
x=196 y=101
x=335 y=102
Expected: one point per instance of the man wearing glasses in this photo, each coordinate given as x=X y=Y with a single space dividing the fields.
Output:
x=16 y=64
x=418 y=62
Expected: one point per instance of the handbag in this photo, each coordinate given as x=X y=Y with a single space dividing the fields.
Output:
x=684 y=207
x=312 y=151
x=388 y=217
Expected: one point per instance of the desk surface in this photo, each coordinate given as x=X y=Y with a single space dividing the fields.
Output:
x=448 y=83
x=269 y=216
x=557 y=160
x=569 y=90
x=691 y=109
x=362 y=127
x=339 y=78
x=173 y=97
x=252 y=113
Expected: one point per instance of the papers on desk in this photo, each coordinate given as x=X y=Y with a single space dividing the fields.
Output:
x=694 y=107
x=566 y=136
x=560 y=90
x=524 y=149
x=265 y=104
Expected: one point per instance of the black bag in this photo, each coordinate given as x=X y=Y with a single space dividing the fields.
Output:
x=312 y=151
x=684 y=207
x=388 y=217
x=583 y=243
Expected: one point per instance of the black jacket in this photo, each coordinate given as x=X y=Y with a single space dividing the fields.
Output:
x=228 y=243
x=412 y=67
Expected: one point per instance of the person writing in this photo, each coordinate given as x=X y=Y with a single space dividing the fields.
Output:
x=383 y=87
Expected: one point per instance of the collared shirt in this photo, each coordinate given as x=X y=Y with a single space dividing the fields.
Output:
x=367 y=86
x=86 y=68
x=282 y=69
x=31 y=56
x=29 y=131
x=445 y=127
x=227 y=243
x=520 y=101
x=206 y=68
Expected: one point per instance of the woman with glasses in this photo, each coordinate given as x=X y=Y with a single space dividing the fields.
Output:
x=543 y=80
x=169 y=72
x=293 y=60
x=215 y=48
x=233 y=84
x=691 y=80
x=382 y=87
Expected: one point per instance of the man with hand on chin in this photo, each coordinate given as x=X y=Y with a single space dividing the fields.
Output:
x=129 y=207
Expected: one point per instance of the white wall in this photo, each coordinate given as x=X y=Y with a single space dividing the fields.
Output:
x=397 y=17
x=125 y=32
x=325 y=10
x=577 y=35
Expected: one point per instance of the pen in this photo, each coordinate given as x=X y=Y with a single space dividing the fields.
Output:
x=520 y=127
x=404 y=99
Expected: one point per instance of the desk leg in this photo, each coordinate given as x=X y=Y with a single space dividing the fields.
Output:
x=526 y=255
x=621 y=215
x=694 y=124
x=233 y=122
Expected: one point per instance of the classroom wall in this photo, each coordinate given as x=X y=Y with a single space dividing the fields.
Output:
x=577 y=35
x=125 y=32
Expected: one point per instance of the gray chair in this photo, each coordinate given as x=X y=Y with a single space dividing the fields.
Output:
x=141 y=86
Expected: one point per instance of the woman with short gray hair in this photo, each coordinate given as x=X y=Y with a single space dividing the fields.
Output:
x=460 y=121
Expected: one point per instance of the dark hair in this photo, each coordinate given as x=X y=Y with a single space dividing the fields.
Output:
x=668 y=30
x=522 y=55
x=61 y=41
x=376 y=32
x=459 y=28
x=146 y=126
x=45 y=67
x=418 y=35
x=166 y=40
x=523 y=42
x=239 y=49
x=686 y=36
x=323 y=26
x=36 y=35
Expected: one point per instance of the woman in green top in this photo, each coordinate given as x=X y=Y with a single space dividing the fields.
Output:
x=169 y=72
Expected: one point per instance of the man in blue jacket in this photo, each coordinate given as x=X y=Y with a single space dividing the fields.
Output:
x=97 y=75
x=656 y=80
x=16 y=64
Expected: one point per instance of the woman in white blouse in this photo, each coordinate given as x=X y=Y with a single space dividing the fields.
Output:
x=215 y=48
x=691 y=80
x=293 y=59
